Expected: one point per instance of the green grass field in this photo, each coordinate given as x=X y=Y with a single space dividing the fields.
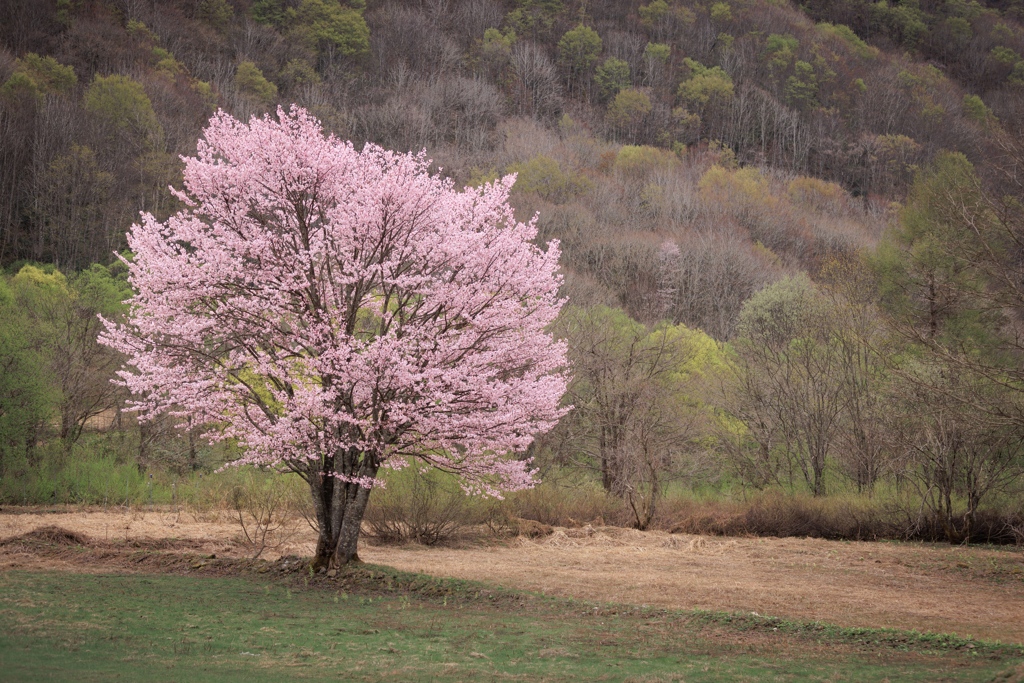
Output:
x=381 y=625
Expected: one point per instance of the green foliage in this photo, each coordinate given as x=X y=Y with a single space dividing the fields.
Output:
x=782 y=50
x=21 y=88
x=903 y=21
x=846 y=34
x=269 y=12
x=777 y=42
x=816 y=193
x=327 y=26
x=1004 y=55
x=102 y=289
x=640 y=160
x=657 y=52
x=166 y=63
x=481 y=176
x=958 y=28
x=534 y=16
x=922 y=82
x=781 y=312
x=498 y=44
x=299 y=72
x=55 y=327
x=87 y=476
x=578 y=49
x=64 y=8
x=705 y=85
x=34 y=76
x=627 y=111
x=544 y=176
x=217 y=13
x=1016 y=76
x=26 y=390
x=721 y=12
x=802 y=87
x=122 y=104
x=964 y=9
x=637 y=411
x=739 y=190
x=250 y=80
x=206 y=93
x=30 y=389
x=612 y=76
x=976 y=110
x=47 y=73
x=137 y=29
x=653 y=12
x=924 y=264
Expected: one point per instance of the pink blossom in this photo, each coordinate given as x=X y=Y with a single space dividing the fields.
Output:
x=313 y=301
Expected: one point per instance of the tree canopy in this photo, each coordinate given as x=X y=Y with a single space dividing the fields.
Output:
x=336 y=311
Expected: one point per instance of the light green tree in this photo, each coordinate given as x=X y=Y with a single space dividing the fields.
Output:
x=637 y=419
x=217 y=13
x=251 y=81
x=627 y=112
x=61 y=316
x=35 y=76
x=332 y=29
x=802 y=87
x=27 y=397
x=789 y=378
x=578 y=51
x=949 y=284
x=704 y=85
x=544 y=176
x=721 y=12
x=122 y=106
x=611 y=77
x=926 y=264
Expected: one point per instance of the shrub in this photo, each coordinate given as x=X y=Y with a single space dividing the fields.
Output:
x=560 y=503
x=544 y=176
x=262 y=505
x=641 y=160
x=249 y=79
x=424 y=507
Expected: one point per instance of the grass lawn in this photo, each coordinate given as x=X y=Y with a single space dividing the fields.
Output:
x=376 y=624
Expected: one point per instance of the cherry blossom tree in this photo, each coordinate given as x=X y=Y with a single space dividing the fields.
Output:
x=335 y=311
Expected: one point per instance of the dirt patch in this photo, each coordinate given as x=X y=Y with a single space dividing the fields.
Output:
x=969 y=591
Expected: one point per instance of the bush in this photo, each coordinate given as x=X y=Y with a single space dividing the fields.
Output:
x=262 y=502
x=85 y=476
x=850 y=518
x=544 y=176
x=425 y=507
x=558 y=503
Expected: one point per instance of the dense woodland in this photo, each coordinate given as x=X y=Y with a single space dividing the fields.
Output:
x=793 y=234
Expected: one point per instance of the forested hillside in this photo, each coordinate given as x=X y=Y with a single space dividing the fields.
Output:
x=768 y=141
x=816 y=206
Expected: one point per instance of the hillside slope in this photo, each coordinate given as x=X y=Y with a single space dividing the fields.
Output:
x=696 y=149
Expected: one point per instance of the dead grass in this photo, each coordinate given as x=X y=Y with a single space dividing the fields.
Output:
x=976 y=591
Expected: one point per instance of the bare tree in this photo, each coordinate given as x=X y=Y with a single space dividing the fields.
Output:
x=536 y=87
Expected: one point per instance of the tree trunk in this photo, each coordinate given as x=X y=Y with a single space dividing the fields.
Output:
x=339 y=507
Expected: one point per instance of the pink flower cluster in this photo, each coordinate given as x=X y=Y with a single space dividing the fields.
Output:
x=312 y=299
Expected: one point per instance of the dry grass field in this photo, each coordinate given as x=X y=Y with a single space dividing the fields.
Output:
x=969 y=591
